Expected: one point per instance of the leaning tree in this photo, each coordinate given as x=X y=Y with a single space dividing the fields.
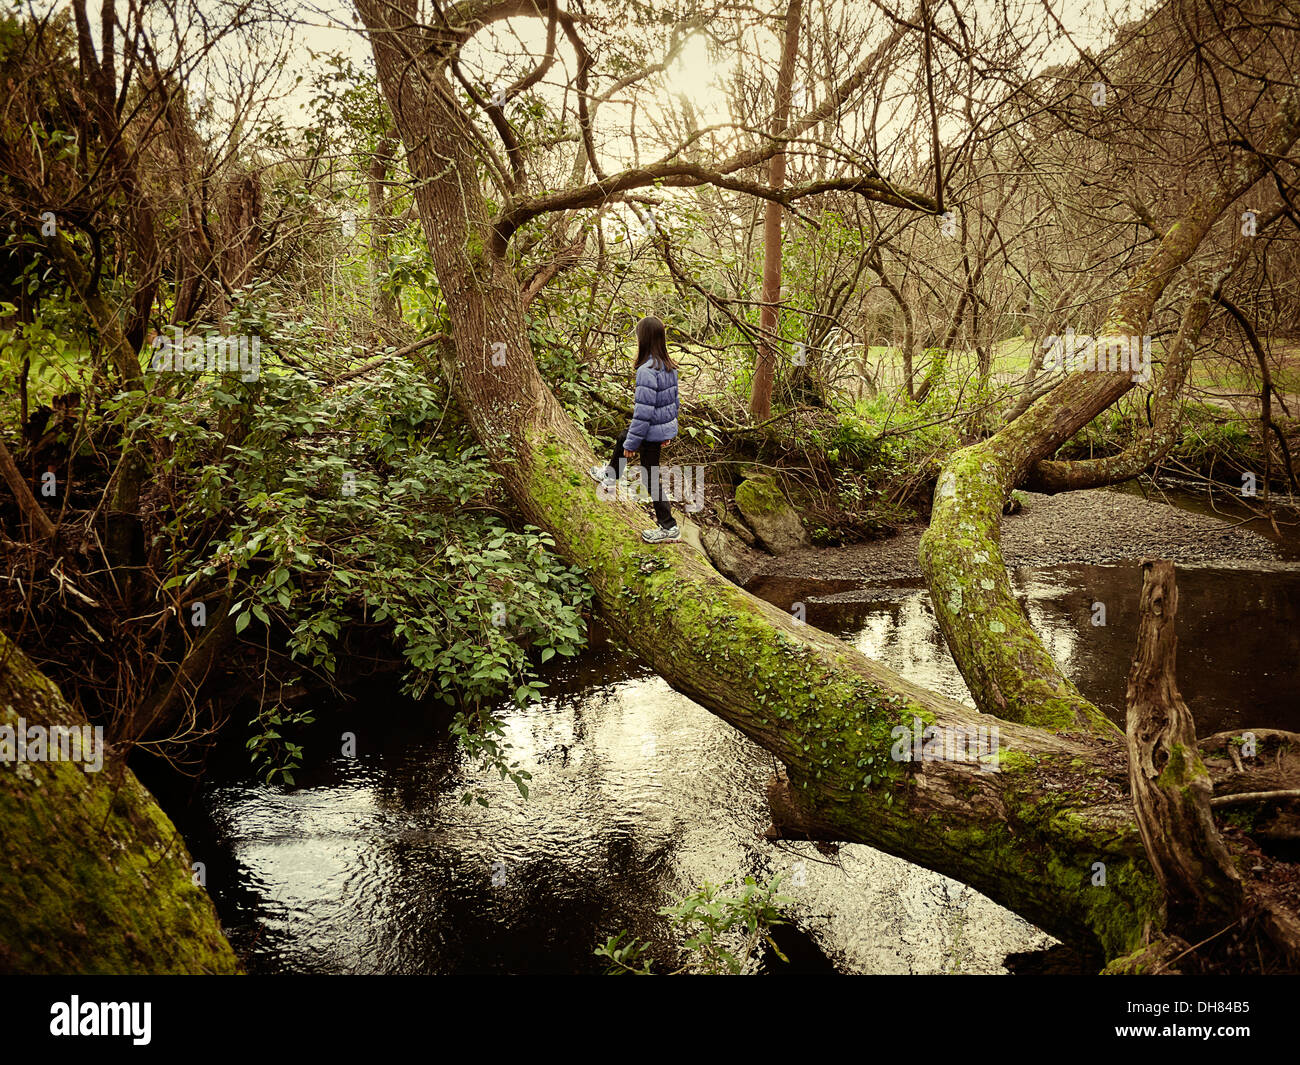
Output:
x=1060 y=806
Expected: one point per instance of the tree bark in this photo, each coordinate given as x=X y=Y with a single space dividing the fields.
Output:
x=1008 y=670
x=1170 y=785
x=42 y=527
x=383 y=307
x=1056 y=476
x=94 y=878
x=909 y=328
x=769 y=317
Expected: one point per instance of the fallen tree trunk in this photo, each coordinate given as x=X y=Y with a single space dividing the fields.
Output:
x=1026 y=824
x=94 y=878
x=1056 y=476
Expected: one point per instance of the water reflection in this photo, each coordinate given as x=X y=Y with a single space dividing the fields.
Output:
x=374 y=864
x=637 y=796
x=1239 y=642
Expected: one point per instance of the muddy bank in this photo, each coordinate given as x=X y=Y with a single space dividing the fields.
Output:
x=1092 y=527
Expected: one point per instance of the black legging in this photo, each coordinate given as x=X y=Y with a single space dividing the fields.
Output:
x=649 y=460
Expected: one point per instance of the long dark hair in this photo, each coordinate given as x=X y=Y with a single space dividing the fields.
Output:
x=652 y=344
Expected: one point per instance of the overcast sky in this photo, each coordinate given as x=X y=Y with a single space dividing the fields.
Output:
x=282 y=58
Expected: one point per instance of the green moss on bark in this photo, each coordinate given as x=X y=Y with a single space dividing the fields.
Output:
x=828 y=715
x=1006 y=667
x=94 y=878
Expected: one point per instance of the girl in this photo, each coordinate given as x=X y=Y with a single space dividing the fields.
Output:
x=654 y=423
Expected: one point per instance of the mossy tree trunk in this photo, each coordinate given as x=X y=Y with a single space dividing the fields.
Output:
x=1058 y=476
x=94 y=878
x=1029 y=835
x=1008 y=670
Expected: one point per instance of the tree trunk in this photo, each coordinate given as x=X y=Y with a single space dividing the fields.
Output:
x=240 y=219
x=42 y=527
x=1053 y=476
x=94 y=878
x=909 y=328
x=1170 y=784
x=769 y=317
x=1008 y=670
x=383 y=307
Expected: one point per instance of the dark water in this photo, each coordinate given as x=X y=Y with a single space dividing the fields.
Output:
x=373 y=864
x=1238 y=635
x=638 y=796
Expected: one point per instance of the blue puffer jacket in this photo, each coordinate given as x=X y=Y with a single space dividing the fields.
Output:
x=654 y=419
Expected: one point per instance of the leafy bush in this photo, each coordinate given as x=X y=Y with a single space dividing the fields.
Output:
x=722 y=931
x=318 y=508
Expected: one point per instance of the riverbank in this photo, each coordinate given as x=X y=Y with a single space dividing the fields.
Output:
x=1083 y=528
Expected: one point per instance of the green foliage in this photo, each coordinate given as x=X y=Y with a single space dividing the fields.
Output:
x=1211 y=435
x=408 y=276
x=860 y=438
x=722 y=931
x=880 y=439
x=347 y=104
x=567 y=375
x=626 y=956
x=274 y=754
x=311 y=509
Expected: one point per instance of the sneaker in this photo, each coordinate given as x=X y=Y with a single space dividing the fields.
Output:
x=660 y=535
x=603 y=475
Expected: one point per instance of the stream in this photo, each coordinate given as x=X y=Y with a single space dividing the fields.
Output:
x=373 y=864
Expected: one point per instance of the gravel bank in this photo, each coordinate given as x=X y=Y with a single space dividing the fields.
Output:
x=1090 y=527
